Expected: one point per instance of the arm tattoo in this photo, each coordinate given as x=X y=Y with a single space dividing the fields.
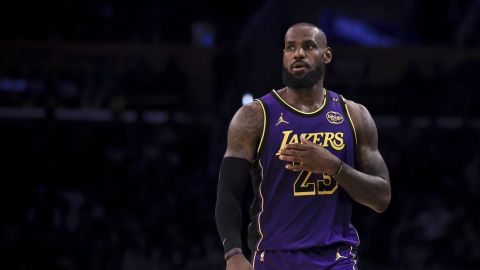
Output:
x=369 y=130
x=244 y=131
x=368 y=157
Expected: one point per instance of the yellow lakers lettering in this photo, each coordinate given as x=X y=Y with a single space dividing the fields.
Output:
x=325 y=139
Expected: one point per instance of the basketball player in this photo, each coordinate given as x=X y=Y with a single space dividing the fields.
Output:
x=310 y=153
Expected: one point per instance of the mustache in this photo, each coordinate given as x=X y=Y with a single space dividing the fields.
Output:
x=299 y=62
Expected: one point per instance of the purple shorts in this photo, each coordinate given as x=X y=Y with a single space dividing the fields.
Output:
x=338 y=258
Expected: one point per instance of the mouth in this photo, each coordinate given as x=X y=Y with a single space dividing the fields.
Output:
x=299 y=66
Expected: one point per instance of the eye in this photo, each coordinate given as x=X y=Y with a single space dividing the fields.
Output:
x=310 y=46
x=290 y=48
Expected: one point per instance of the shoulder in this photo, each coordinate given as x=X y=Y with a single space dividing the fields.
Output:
x=244 y=131
x=248 y=120
x=356 y=110
x=362 y=120
x=249 y=114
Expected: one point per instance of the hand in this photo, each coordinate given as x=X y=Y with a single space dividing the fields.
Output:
x=238 y=262
x=309 y=157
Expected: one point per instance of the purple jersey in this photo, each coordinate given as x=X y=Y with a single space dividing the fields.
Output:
x=301 y=210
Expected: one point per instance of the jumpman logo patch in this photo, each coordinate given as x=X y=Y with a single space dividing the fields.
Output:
x=281 y=120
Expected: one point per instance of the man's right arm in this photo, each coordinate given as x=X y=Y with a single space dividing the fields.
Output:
x=243 y=136
x=244 y=132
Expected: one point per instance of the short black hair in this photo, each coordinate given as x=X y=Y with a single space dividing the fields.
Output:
x=323 y=37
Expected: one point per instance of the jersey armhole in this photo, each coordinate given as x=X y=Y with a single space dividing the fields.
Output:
x=343 y=101
x=264 y=130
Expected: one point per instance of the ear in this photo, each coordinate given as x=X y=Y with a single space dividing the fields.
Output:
x=327 y=55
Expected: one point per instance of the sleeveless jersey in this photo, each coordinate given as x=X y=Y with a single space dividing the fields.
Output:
x=300 y=210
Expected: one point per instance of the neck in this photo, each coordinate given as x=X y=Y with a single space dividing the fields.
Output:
x=307 y=96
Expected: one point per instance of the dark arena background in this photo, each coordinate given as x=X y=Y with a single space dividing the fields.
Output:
x=113 y=120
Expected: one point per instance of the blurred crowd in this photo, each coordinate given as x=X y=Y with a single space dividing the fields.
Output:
x=107 y=196
x=101 y=85
x=140 y=195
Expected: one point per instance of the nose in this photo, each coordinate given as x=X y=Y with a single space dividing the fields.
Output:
x=299 y=53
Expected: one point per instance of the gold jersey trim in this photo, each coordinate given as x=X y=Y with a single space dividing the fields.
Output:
x=351 y=122
x=358 y=236
x=299 y=111
x=264 y=127
x=354 y=260
x=261 y=210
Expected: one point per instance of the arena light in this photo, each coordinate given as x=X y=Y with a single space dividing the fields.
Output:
x=247 y=98
x=363 y=31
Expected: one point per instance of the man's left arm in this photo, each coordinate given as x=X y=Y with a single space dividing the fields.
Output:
x=369 y=183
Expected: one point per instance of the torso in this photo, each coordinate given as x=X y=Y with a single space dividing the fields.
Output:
x=300 y=210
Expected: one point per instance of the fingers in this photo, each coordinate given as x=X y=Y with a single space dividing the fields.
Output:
x=303 y=146
x=305 y=141
x=292 y=152
x=291 y=158
x=292 y=155
x=296 y=146
x=296 y=153
x=297 y=167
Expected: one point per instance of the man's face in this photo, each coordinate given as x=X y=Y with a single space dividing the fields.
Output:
x=304 y=57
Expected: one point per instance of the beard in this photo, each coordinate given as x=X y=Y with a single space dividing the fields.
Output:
x=306 y=81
